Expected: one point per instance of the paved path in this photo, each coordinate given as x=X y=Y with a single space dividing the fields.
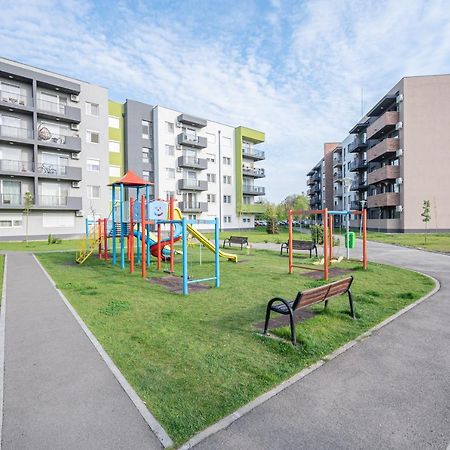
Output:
x=390 y=391
x=59 y=393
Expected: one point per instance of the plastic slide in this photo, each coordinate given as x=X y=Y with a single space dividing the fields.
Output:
x=152 y=241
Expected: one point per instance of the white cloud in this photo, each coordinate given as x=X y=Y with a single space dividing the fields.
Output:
x=298 y=78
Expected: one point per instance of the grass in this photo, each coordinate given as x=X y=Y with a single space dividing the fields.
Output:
x=2 y=268
x=439 y=242
x=195 y=359
x=39 y=246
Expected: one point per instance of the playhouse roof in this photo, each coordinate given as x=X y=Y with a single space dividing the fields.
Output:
x=131 y=179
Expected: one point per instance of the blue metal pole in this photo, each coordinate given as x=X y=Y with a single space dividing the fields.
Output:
x=216 y=254
x=147 y=248
x=122 y=240
x=87 y=233
x=185 y=258
x=113 y=218
x=138 y=225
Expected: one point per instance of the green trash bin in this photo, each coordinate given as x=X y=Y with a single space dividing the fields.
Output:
x=350 y=239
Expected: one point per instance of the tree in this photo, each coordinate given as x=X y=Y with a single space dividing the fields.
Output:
x=28 y=201
x=295 y=202
x=270 y=216
x=426 y=215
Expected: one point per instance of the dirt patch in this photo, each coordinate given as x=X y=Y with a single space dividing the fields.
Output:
x=277 y=320
x=175 y=284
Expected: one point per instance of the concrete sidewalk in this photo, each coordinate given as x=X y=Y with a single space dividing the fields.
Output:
x=58 y=392
x=391 y=391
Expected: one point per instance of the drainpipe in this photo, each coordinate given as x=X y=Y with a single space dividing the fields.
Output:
x=220 y=184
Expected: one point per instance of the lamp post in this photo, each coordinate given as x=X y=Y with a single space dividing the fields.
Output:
x=347 y=182
x=363 y=204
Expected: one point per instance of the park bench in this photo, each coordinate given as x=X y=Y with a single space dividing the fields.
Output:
x=239 y=240
x=299 y=245
x=308 y=298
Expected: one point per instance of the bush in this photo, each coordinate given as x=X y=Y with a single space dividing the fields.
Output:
x=53 y=240
x=272 y=226
x=317 y=234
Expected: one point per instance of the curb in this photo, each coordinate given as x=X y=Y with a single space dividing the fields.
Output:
x=228 y=420
x=2 y=347
x=151 y=421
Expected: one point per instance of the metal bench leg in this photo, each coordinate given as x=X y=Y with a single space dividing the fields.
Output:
x=266 y=323
x=350 y=300
x=293 y=336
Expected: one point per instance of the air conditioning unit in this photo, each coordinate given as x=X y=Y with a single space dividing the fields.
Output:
x=75 y=155
x=399 y=98
x=179 y=147
x=399 y=125
x=75 y=97
x=399 y=208
x=75 y=126
x=399 y=180
x=79 y=213
x=399 y=152
x=75 y=184
x=178 y=124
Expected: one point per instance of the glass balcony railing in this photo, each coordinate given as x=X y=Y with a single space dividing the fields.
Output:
x=51 y=169
x=11 y=199
x=54 y=107
x=52 y=200
x=253 y=190
x=15 y=132
x=14 y=98
x=10 y=165
x=253 y=153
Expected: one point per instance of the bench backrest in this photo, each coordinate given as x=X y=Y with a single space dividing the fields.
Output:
x=238 y=239
x=322 y=293
x=302 y=245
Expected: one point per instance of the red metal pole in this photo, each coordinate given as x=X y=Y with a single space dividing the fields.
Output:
x=171 y=215
x=364 y=224
x=325 y=243
x=105 y=239
x=131 y=238
x=290 y=241
x=158 y=264
x=99 y=239
x=143 y=237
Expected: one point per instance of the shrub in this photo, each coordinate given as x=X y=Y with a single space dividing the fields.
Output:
x=317 y=234
x=53 y=240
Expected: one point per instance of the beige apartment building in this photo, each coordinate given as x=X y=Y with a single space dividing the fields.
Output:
x=398 y=155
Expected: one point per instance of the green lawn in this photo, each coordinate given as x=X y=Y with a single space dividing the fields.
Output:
x=259 y=234
x=2 y=266
x=39 y=246
x=195 y=359
x=435 y=241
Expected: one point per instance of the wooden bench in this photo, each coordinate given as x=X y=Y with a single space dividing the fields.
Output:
x=308 y=298
x=239 y=240
x=299 y=245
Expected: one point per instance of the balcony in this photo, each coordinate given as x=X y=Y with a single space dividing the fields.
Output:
x=384 y=173
x=317 y=176
x=387 y=147
x=358 y=164
x=252 y=153
x=310 y=181
x=382 y=200
x=357 y=145
x=192 y=141
x=46 y=170
x=50 y=110
x=17 y=167
x=192 y=162
x=309 y=192
x=359 y=185
x=186 y=184
x=9 y=133
x=192 y=121
x=359 y=127
x=315 y=200
x=58 y=202
x=316 y=188
x=255 y=173
x=337 y=192
x=337 y=176
x=11 y=100
x=355 y=205
x=383 y=125
x=52 y=140
x=337 y=162
x=11 y=201
x=193 y=207
x=253 y=190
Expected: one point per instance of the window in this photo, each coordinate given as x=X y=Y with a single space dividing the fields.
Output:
x=114 y=146
x=93 y=192
x=145 y=155
x=10 y=92
x=145 y=129
x=170 y=173
x=92 y=136
x=170 y=150
x=211 y=158
x=92 y=109
x=226 y=161
x=58 y=220
x=147 y=175
x=247 y=200
x=226 y=142
x=170 y=127
x=191 y=134
x=226 y=179
x=169 y=194
x=93 y=165
x=211 y=198
x=227 y=198
x=192 y=216
x=114 y=171
x=11 y=221
x=246 y=220
x=211 y=177
x=211 y=138
x=226 y=219
x=113 y=122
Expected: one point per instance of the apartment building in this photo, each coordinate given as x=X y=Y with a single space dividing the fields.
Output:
x=398 y=154
x=53 y=145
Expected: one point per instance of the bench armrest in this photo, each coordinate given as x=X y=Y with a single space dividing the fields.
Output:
x=285 y=302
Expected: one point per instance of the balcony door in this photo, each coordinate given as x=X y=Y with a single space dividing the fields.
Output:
x=190 y=199
x=11 y=192
x=191 y=177
x=53 y=194
x=53 y=163
x=10 y=92
x=52 y=102
x=191 y=133
x=190 y=155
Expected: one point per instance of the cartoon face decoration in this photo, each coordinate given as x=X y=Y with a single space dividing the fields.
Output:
x=157 y=210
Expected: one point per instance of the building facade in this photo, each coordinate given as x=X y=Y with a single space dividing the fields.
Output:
x=62 y=142
x=397 y=156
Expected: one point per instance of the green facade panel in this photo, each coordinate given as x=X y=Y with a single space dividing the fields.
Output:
x=116 y=109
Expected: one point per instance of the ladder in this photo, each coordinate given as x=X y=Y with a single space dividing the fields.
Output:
x=89 y=244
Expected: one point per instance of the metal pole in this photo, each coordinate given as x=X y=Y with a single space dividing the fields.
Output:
x=143 y=268
x=138 y=228
x=113 y=218
x=325 y=244
x=171 y=237
x=347 y=227
x=131 y=238
x=364 y=219
x=86 y=224
x=122 y=240
x=220 y=182
x=185 y=258
x=216 y=244
x=290 y=256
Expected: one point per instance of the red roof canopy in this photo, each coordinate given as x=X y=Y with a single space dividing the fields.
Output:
x=131 y=179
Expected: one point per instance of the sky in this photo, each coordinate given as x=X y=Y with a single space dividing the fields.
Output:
x=296 y=70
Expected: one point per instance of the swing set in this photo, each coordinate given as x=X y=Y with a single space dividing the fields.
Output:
x=327 y=219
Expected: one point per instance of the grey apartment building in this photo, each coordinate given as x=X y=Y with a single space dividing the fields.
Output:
x=396 y=157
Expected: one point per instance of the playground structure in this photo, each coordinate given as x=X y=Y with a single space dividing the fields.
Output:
x=134 y=219
x=327 y=219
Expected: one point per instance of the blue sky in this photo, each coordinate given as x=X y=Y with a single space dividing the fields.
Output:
x=293 y=69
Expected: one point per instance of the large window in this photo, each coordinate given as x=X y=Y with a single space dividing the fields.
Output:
x=114 y=146
x=113 y=122
x=114 y=171
x=93 y=192
x=146 y=129
x=93 y=165
x=11 y=192
x=10 y=221
x=92 y=109
x=170 y=173
x=92 y=136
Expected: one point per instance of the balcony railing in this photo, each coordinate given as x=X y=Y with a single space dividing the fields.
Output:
x=52 y=200
x=16 y=132
x=358 y=185
x=193 y=185
x=72 y=113
x=51 y=169
x=337 y=162
x=253 y=190
x=253 y=153
x=192 y=141
x=11 y=199
x=386 y=148
x=10 y=165
x=13 y=98
x=383 y=124
x=257 y=173
x=193 y=162
x=383 y=173
x=45 y=135
x=357 y=145
x=337 y=176
x=358 y=164
x=382 y=200
x=193 y=207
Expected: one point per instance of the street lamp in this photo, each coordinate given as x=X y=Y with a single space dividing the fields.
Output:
x=347 y=182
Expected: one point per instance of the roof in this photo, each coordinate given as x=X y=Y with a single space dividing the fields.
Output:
x=131 y=179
